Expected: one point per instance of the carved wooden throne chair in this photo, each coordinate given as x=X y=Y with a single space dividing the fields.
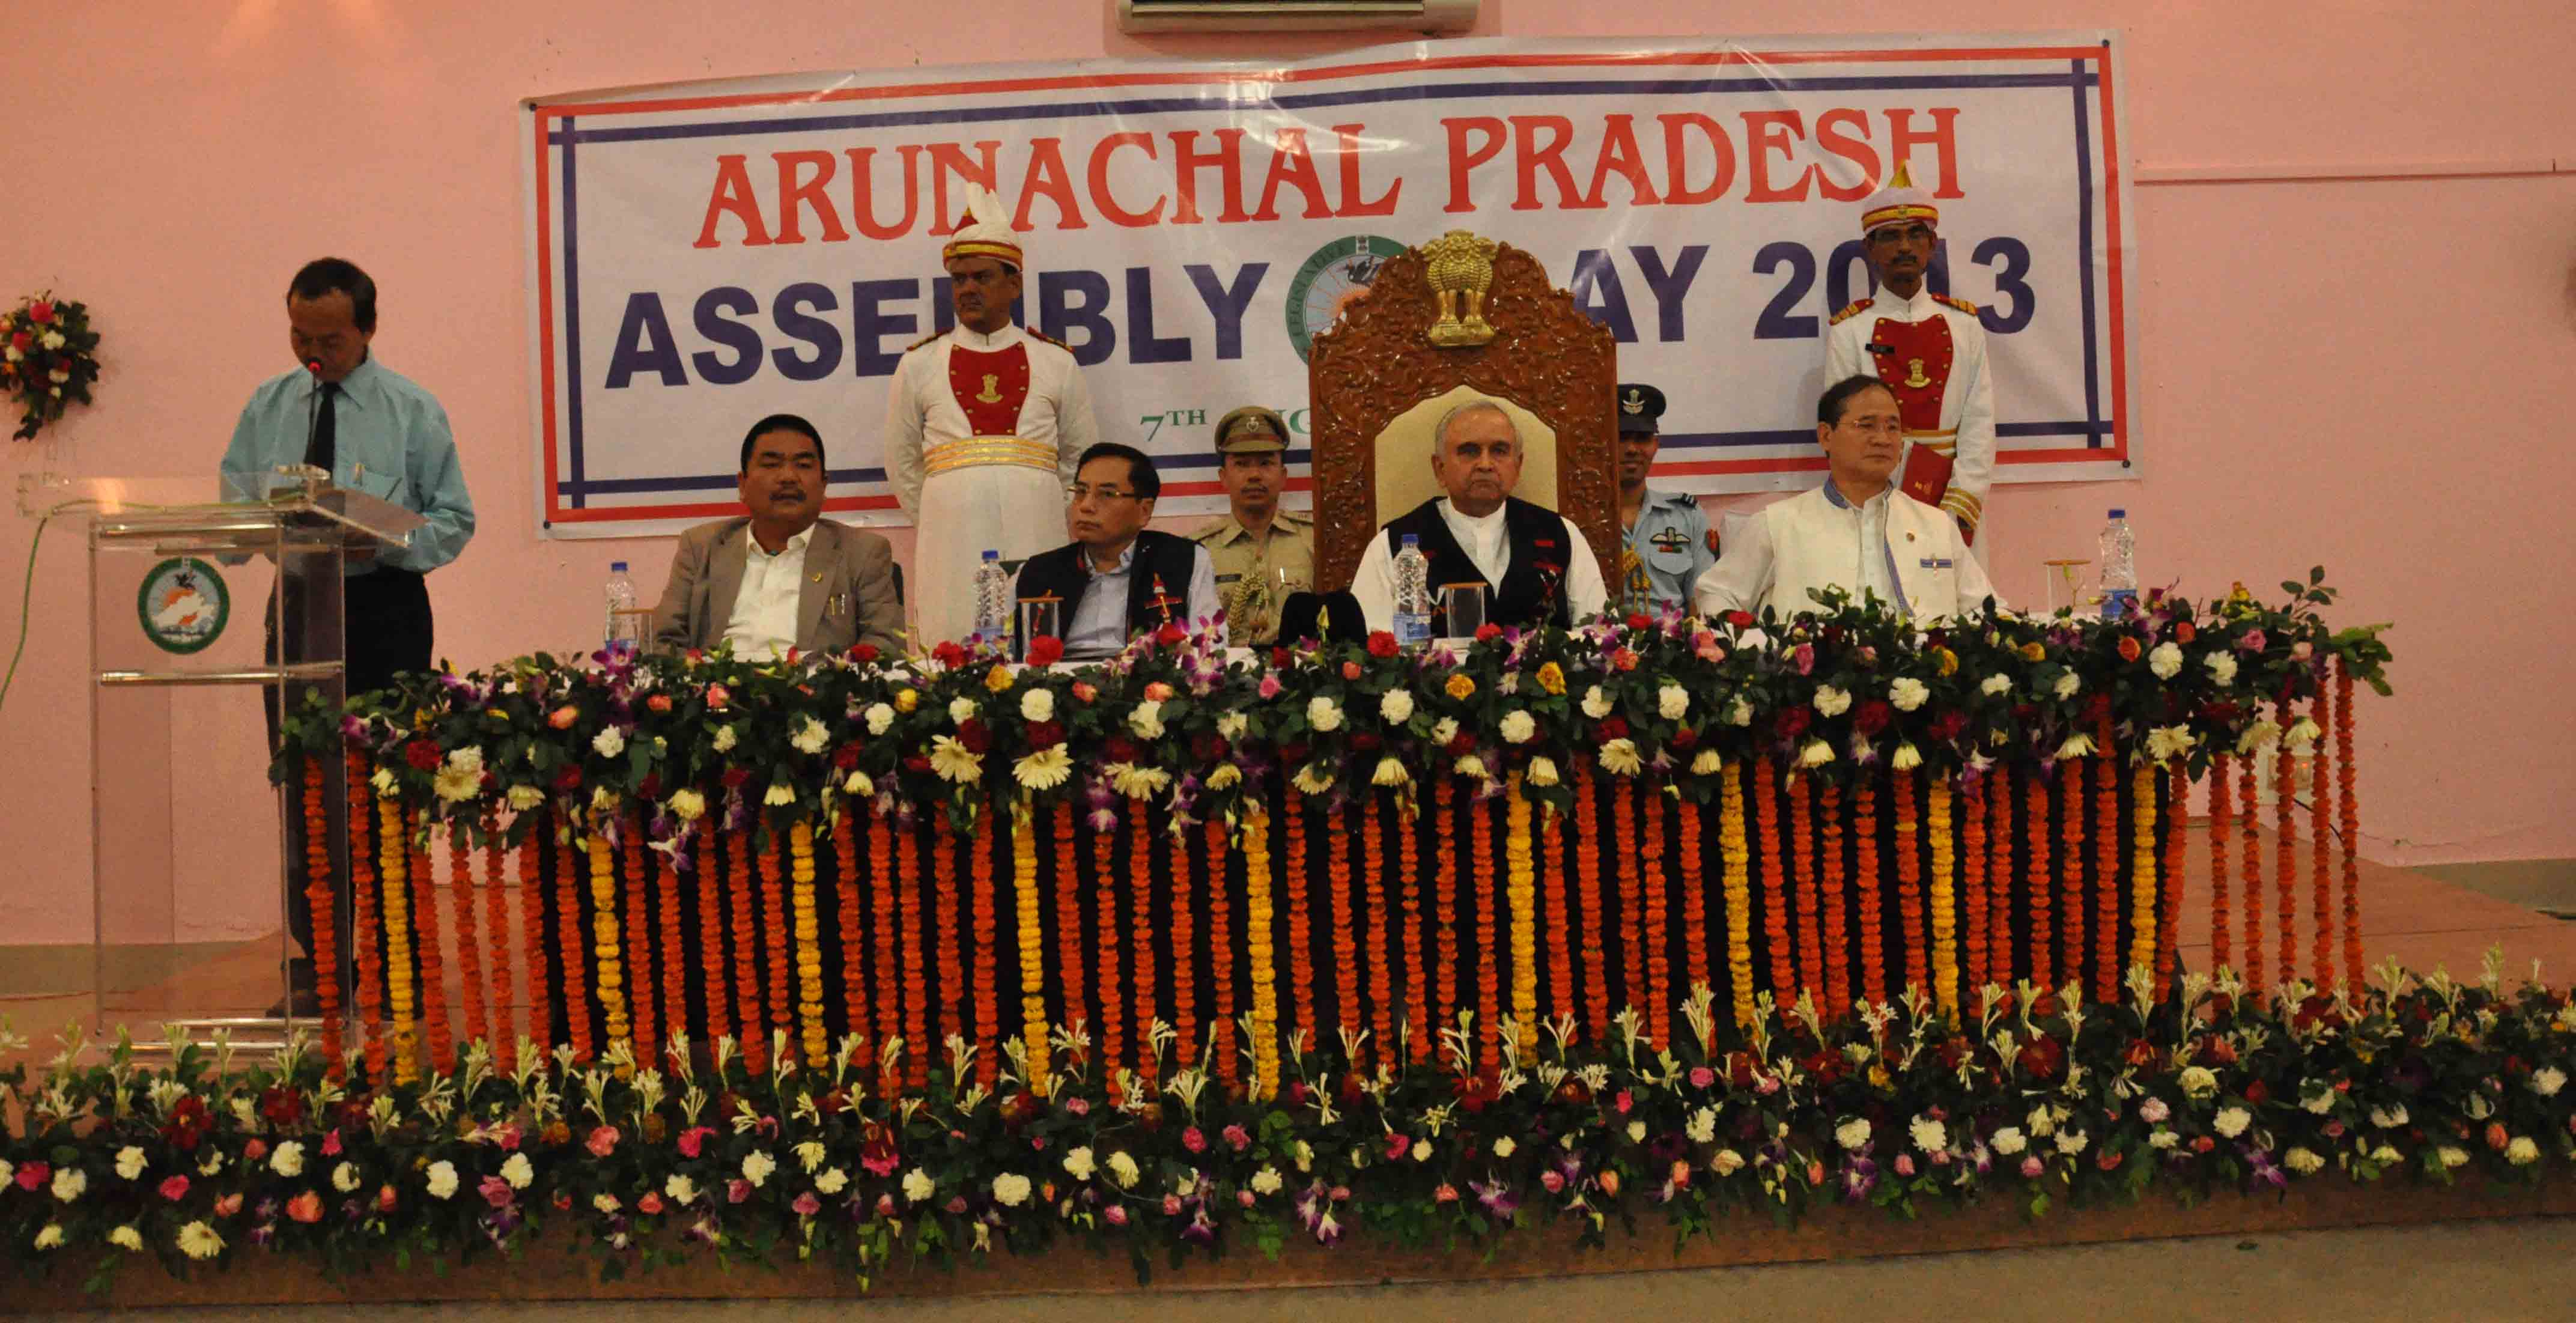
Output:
x=1457 y=317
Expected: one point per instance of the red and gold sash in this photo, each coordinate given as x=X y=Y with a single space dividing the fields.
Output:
x=990 y=387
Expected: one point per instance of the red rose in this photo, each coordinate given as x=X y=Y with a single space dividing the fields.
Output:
x=1381 y=643
x=1637 y=620
x=2097 y=709
x=1368 y=741
x=1949 y=725
x=917 y=763
x=2129 y=649
x=1120 y=749
x=22 y=342
x=847 y=756
x=1207 y=746
x=1279 y=659
x=949 y=654
x=1170 y=635
x=1488 y=632
x=2184 y=632
x=1740 y=619
x=1614 y=728
x=1791 y=723
x=41 y=311
x=863 y=653
x=423 y=755
x=1045 y=650
x=1350 y=670
x=735 y=778
x=1294 y=753
x=650 y=787
x=1045 y=734
x=1684 y=738
x=569 y=778
x=2258 y=1093
x=972 y=734
x=1872 y=717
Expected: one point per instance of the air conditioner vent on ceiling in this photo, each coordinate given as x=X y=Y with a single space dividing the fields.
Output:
x=1295 y=15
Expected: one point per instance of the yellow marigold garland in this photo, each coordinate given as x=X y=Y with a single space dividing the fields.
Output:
x=809 y=943
x=2142 y=909
x=1521 y=895
x=1257 y=919
x=607 y=977
x=1736 y=880
x=1032 y=942
x=1945 y=896
x=393 y=860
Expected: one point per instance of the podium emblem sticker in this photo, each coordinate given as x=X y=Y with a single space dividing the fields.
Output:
x=183 y=605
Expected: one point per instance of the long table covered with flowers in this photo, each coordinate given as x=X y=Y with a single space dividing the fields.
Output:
x=1350 y=860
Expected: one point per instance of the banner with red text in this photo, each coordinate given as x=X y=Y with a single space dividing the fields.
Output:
x=709 y=253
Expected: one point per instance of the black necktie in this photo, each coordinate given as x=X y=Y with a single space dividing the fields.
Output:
x=326 y=432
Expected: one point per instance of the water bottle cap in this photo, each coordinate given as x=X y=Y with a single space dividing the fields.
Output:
x=617 y=567
x=990 y=554
x=2119 y=514
x=1412 y=540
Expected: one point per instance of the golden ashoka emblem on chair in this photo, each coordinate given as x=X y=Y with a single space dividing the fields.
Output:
x=1459 y=266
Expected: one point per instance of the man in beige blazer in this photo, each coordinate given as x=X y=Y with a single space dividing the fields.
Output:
x=781 y=576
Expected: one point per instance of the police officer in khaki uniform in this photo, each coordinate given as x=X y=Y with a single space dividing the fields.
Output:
x=1262 y=553
x=1666 y=535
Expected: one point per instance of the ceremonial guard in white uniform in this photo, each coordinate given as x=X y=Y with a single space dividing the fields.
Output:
x=983 y=426
x=1929 y=349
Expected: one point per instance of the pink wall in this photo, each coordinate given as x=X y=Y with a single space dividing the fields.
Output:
x=2355 y=371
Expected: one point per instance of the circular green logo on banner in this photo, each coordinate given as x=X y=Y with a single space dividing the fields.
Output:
x=183 y=605
x=1330 y=280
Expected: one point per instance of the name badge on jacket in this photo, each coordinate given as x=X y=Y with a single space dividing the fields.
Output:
x=1936 y=563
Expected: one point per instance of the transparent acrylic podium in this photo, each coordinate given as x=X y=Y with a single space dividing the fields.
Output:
x=192 y=865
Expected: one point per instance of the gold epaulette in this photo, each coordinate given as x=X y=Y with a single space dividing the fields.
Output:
x=1961 y=304
x=1854 y=310
x=1044 y=338
x=924 y=340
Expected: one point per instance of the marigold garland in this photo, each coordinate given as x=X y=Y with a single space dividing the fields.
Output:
x=1301 y=945
x=1113 y=1000
x=1802 y=836
x=1032 y=944
x=496 y=932
x=532 y=929
x=363 y=922
x=675 y=973
x=1444 y=905
x=1257 y=918
x=437 y=1032
x=983 y=908
x=1734 y=859
x=2285 y=833
x=608 y=978
x=2320 y=840
x=1381 y=973
x=1775 y=886
x=1972 y=877
x=1873 y=910
x=2107 y=966
x=1658 y=905
x=1521 y=898
x=1944 y=896
x=1623 y=804
x=1488 y=981
x=1837 y=936
x=809 y=944
x=1417 y=987
x=913 y=940
x=1185 y=1011
x=639 y=940
x=2351 y=822
x=777 y=948
x=325 y=951
x=846 y=911
x=711 y=929
x=951 y=989
x=2251 y=806
x=1999 y=877
x=2222 y=820
x=1068 y=917
x=2070 y=876
x=1909 y=878
x=2035 y=829
x=1221 y=956
x=1345 y=972
x=469 y=944
x=1694 y=901
x=885 y=915
x=1587 y=882
x=2142 y=910
x=398 y=961
x=1140 y=880
x=746 y=950
x=2169 y=890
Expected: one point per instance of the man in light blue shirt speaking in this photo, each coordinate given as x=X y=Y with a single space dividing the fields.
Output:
x=376 y=432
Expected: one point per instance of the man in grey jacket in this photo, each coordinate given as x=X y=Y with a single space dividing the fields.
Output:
x=781 y=576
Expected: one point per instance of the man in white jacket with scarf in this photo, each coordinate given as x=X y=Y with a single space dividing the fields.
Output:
x=1857 y=532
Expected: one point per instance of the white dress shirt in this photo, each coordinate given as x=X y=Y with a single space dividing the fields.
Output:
x=1907 y=553
x=764 y=612
x=1099 y=625
x=1488 y=545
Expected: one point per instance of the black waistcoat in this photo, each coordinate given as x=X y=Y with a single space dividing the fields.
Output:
x=1533 y=588
x=1061 y=574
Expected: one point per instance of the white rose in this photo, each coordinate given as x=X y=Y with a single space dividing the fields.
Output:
x=129 y=1162
x=1037 y=705
x=1505 y=1146
x=1078 y=1163
x=961 y=711
x=725 y=738
x=1672 y=701
x=69 y=1183
x=1266 y=1181
x=2222 y=668
x=1147 y=719
x=442 y=1180
x=1707 y=763
x=1995 y=684
x=2231 y=1121
x=2165 y=660
x=2303 y=1161
x=1907 y=693
x=1596 y=704
x=2522 y=1152
x=756 y=1166
x=2066 y=684
x=51 y=1237
x=125 y=1238
x=1727 y=1162
x=832 y=1181
x=518 y=1172
x=2071 y=1142
x=344 y=1178
x=1740 y=713
x=606 y=1203
x=287 y=1159
x=880 y=718
x=2452 y=1157
x=688 y=805
x=1323 y=714
x=1397 y=707
x=2009 y=1141
x=917 y=1185
x=524 y=797
x=1232 y=725
x=2547 y=1081
x=810 y=737
x=1853 y=1133
x=1123 y=1168
x=2198 y=1081
x=1702 y=1127
x=1929 y=1135
x=610 y=742
x=1443 y=731
x=1830 y=701
x=1518 y=727
x=2389 y=1117
x=1011 y=1189
x=2163 y=1138
x=680 y=1188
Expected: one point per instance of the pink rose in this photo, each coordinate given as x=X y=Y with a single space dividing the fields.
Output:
x=694 y=1139
x=331 y=1143
x=650 y=1204
x=2031 y=1167
x=885 y=1205
x=497 y=1192
x=175 y=1189
x=1084 y=691
x=1193 y=1140
x=1701 y=1077
x=305 y=1207
x=1396 y=1144
x=1623 y=1100
x=1680 y=1174
x=1237 y=1138
x=737 y=1190
x=228 y=1205
x=603 y=1141
x=33 y=1174
x=385 y=1198
x=1553 y=1180
x=1158 y=691
x=1115 y=1215
x=1448 y=1194
x=717 y=697
x=1244 y=1197
x=807 y=1205
x=255 y=1150
x=1171 y=1205
x=1078 y=1106
x=1904 y=1164
x=1815 y=1173
x=563 y=717
x=1269 y=687
x=957 y=1204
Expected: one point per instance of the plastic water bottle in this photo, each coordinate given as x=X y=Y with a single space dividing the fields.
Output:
x=2119 y=553
x=992 y=597
x=1412 y=594
x=625 y=628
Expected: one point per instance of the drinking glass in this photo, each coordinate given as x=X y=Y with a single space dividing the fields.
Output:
x=1462 y=610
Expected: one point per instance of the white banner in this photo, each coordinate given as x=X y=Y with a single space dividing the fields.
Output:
x=710 y=253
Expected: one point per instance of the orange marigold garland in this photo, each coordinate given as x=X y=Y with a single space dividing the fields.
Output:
x=1444 y=904
x=913 y=940
x=951 y=989
x=1623 y=804
x=1909 y=878
x=2250 y=805
x=675 y=971
x=1873 y=942
x=1999 y=877
x=1972 y=879
x=608 y=975
x=1417 y=988
x=439 y=1035
x=1520 y=896
x=1221 y=957
x=2035 y=832
x=639 y=941
x=2070 y=875
x=2142 y=908
x=886 y=916
x=1802 y=836
x=1694 y=896
x=1587 y=881
x=777 y=949
x=2169 y=895
x=398 y=959
x=846 y=912
x=2320 y=838
x=2350 y=808
x=711 y=929
x=809 y=943
x=469 y=942
x=746 y=951
x=1837 y=936
x=2107 y=967
x=318 y=898
x=1259 y=950
x=496 y=935
x=1657 y=908
x=1301 y=946
x=532 y=930
x=1140 y=879
x=983 y=904
x=1775 y=898
x=364 y=922
x=1113 y=1000
x=2285 y=830
x=1735 y=880
x=1944 y=896
x=1488 y=981
x=1345 y=973
x=1185 y=1013
x=1381 y=972
x=2222 y=819
x=1032 y=944
x=1068 y=917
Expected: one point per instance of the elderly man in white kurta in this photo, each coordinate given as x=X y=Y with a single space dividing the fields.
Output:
x=982 y=428
x=1929 y=349
x=1858 y=533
